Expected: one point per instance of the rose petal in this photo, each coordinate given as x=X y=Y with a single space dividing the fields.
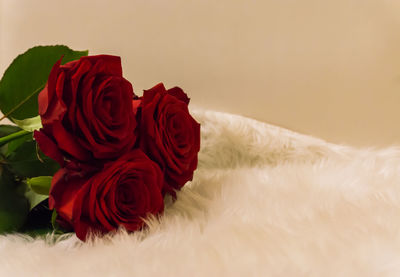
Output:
x=68 y=143
x=48 y=147
x=47 y=94
x=63 y=193
x=179 y=94
x=110 y=65
x=149 y=95
x=56 y=109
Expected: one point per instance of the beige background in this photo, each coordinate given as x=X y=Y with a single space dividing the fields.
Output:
x=326 y=68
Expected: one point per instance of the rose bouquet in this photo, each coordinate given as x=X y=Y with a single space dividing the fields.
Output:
x=85 y=153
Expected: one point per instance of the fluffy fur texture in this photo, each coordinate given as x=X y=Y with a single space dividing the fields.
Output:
x=264 y=202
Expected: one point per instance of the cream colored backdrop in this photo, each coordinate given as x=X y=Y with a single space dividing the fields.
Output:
x=326 y=68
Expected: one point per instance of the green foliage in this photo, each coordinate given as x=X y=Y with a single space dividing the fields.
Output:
x=13 y=136
x=29 y=124
x=6 y=130
x=56 y=227
x=40 y=185
x=14 y=207
x=54 y=223
x=25 y=172
x=34 y=198
x=24 y=162
x=13 y=145
x=39 y=220
x=27 y=76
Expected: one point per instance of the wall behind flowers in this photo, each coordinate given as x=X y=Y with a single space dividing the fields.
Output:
x=326 y=68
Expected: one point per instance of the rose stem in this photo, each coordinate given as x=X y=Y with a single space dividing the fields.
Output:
x=10 y=137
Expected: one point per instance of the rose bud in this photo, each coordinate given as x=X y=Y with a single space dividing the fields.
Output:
x=169 y=135
x=121 y=194
x=86 y=111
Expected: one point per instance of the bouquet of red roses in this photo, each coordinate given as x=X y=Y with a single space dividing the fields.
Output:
x=100 y=157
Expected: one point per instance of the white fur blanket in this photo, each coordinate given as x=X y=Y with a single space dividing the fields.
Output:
x=264 y=202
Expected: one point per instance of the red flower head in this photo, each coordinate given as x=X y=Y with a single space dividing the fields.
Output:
x=169 y=135
x=86 y=111
x=121 y=194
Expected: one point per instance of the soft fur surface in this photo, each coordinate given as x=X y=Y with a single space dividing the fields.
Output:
x=264 y=202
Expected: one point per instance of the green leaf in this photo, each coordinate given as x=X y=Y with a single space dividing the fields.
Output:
x=57 y=228
x=34 y=198
x=13 y=145
x=14 y=207
x=29 y=124
x=54 y=220
x=6 y=130
x=24 y=162
x=40 y=185
x=27 y=76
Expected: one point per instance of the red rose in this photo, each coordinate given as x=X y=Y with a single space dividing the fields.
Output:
x=122 y=194
x=86 y=111
x=169 y=135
